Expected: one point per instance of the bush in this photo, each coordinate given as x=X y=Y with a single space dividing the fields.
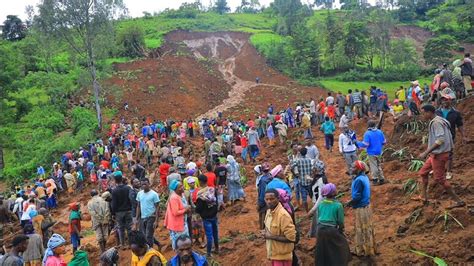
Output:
x=83 y=118
x=186 y=10
x=132 y=41
x=45 y=117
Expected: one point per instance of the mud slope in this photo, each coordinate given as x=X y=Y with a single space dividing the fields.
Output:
x=199 y=75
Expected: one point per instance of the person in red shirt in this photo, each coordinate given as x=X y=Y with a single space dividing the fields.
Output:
x=105 y=164
x=332 y=112
x=244 y=144
x=164 y=170
x=321 y=110
x=211 y=177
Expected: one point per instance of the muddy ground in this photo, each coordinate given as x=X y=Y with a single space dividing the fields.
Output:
x=202 y=73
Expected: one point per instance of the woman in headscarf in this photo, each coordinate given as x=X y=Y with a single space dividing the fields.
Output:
x=364 y=229
x=176 y=210
x=236 y=192
x=331 y=246
x=54 y=251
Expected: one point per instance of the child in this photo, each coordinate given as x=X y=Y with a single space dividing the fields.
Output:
x=75 y=225
x=328 y=129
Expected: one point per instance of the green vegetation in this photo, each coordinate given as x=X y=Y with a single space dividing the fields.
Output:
x=390 y=87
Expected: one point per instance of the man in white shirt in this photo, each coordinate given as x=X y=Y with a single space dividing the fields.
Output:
x=347 y=147
x=312 y=112
x=329 y=99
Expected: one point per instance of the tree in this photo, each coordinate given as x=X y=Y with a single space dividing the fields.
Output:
x=355 y=41
x=290 y=13
x=438 y=50
x=380 y=23
x=132 y=40
x=305 y=55
x=13 y=29
x=402 y=51
x=246 y=6
x=85 y=25
x=333 y=34
x=221 y=7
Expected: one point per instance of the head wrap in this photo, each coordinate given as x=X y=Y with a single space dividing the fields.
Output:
x=190 y=172
x=33 y=213
x=276 y=170
x=74 y=206
x=329 y=190
x=174 y=185
x=55 y=241
x=231 y=159
x=447 y=93
x=360 y=166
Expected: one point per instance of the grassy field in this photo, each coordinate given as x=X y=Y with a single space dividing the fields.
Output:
x=156 y=27
x=390 y=87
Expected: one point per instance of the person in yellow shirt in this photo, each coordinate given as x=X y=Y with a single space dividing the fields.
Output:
x=397 y=107
x=142 y=254
x=401 y=95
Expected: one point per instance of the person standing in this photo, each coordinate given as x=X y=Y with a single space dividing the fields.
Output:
x=360 y=202
x=440 y=144
x=282 y=129
x=13 y=258
x=312 y=150
x=176 y=211
x=100 y=215
x=466 y=72
x=207 y=207
x=328 y=129
x=401 y=95
x=148 y=211
x=132 y=195
x=236 y=192
x=263 y=181
x=312 y=111
x=306 y=125
x=448 y=112
x=253 y=143
x=75 y=218
x=280 y=231
x=331 y=245
x=305 y=170
x=34 y=252
x=121 y=207
x=348 y=148
x=373 y=142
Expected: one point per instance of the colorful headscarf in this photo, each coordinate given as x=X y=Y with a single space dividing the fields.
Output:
x=174 y=185
x=329 y=190
x=55 y=241
x=276 y=170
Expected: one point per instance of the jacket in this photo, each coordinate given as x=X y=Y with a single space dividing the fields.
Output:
x=278 y=222
x=360 y=190
x=174 y=217
x=99 y=210
x=200 y=260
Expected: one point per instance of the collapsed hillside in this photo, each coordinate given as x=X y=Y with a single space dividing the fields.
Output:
x=218 y=71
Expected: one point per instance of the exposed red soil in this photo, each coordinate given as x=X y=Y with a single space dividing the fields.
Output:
x=238 y=224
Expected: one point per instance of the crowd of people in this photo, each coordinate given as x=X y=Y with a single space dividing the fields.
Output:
x=141 y=176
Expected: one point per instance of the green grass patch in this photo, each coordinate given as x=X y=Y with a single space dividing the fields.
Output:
x=391 y=87
x=110 y=61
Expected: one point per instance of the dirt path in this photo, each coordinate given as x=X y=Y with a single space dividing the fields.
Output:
x=226 y=66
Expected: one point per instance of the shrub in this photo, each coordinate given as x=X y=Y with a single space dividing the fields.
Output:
x=83 y=118
x=132 y=41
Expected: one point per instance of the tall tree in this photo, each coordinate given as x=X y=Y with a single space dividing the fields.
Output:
x=380 y=23
x=306 y=55
x=13 y=29
x=333 y=34
x=402 y=51
x=438 y=50
x=290 y=14
x=84 y=25
x=221 y=7
x=248 y=6
x=355 y=41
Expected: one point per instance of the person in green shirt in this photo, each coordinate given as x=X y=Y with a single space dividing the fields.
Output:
x=331 y=246
x=328 y=129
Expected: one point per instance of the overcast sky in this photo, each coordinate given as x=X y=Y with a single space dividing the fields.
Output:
x=135 y=7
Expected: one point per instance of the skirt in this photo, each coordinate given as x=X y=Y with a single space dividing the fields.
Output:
x=175 y=234
x=235 y=190
x=364 y=232
x=331 y=247
x=313 y=231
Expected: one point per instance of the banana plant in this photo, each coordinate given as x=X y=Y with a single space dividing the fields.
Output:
x=410 y=186
x=446 y=216
x=415 y=165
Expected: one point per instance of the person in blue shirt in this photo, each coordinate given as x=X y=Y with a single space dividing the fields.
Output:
x=185 y=254
x=373 y=142
x=277 y=181
x=360 y=202
x=328 y=128
x=263 y=181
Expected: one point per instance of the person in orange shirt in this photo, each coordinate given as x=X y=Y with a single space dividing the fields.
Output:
x=331 y=110
x=321 y=110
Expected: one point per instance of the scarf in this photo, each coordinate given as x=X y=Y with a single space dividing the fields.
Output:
x=75 y=215
x=55 y=241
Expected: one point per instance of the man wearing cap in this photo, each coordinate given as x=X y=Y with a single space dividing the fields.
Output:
x=448 y=112
x=100 y=215
x=440 y=144
x=13 y=258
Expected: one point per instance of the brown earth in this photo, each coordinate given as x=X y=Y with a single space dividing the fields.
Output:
x=187 y=62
